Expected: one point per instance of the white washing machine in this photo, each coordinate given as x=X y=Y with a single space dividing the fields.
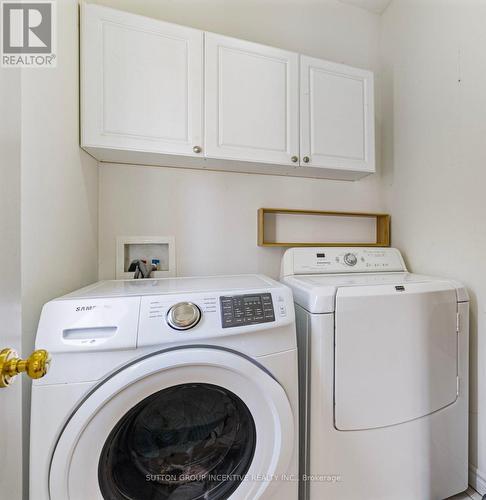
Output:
x=384 y=372
x=171 y=389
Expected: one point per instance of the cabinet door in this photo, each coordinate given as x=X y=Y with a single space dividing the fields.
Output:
x=142 y=83
x=337 y=116
x=251 y=101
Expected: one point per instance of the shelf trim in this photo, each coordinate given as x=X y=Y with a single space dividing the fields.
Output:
x=383 y=228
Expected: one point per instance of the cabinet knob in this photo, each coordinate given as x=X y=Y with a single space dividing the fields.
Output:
x=306 y=159
x=197 y=149
x=294 y=159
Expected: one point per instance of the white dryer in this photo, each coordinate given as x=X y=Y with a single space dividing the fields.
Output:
x=171 y=389
x=384 y=373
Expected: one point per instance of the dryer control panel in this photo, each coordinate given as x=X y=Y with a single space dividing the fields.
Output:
x=249 y=309
x=336 y=260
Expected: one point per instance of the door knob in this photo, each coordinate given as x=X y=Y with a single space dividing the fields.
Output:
x=294 y=159
x=36 y=365
x=306 y=159
x=197 y=149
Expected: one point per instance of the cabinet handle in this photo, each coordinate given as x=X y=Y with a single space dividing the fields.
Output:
x=197 y=149
x=306 y=159
x=294 y=159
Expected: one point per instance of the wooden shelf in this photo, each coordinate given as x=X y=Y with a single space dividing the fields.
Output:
x=382 y=228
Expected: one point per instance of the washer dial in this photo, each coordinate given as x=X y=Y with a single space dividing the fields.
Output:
x=183 y=316
x=350 y=259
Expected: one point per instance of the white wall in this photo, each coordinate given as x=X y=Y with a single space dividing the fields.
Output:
x=212 y=214
x=59 y=185
x=10 y=325
x=59 y=181
x=434 y=104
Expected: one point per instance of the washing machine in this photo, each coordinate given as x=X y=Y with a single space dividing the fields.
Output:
x=177 y=389
x=384 y=376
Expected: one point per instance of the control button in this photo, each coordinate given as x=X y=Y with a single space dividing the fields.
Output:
x=183 y=316
x=350 y=259
x=282 y=310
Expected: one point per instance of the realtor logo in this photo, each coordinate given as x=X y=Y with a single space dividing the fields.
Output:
x=28 y=34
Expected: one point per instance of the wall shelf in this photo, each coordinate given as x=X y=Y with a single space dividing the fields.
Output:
x=374 y=225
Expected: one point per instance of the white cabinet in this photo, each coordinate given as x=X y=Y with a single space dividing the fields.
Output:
x=155 y=93
x=251 y=101
x=337 y=116
x=142 y=83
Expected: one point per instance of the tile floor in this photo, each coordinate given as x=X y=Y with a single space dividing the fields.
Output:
x=467 y=495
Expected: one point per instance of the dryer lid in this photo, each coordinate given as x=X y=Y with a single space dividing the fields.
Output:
x=315 y=274
x=317 y=293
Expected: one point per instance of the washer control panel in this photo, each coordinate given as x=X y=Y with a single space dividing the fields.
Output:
x=249 y=309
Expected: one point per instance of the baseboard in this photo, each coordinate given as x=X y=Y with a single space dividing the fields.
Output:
x=477 y=479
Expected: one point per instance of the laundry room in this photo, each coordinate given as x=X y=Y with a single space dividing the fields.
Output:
x=243 y=249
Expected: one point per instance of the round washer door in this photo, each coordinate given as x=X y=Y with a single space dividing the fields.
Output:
x=180 y=424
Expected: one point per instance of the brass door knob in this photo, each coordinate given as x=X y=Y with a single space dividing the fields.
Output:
x=294 y=159
x=306 y=159
x=36 y=365
x=197 y=149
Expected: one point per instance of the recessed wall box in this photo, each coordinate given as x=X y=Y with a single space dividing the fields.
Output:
x=148 y=248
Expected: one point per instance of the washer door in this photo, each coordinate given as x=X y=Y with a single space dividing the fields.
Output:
x=181 y=424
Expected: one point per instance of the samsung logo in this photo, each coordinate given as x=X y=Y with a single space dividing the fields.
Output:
x=84 y=308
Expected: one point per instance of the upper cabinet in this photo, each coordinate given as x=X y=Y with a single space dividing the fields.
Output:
x=337 y=116
x=142 y=83
x=162 y=94
x=251 y=101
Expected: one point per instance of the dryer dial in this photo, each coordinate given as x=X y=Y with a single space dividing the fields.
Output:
x=183 y=316
x=350 y=259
